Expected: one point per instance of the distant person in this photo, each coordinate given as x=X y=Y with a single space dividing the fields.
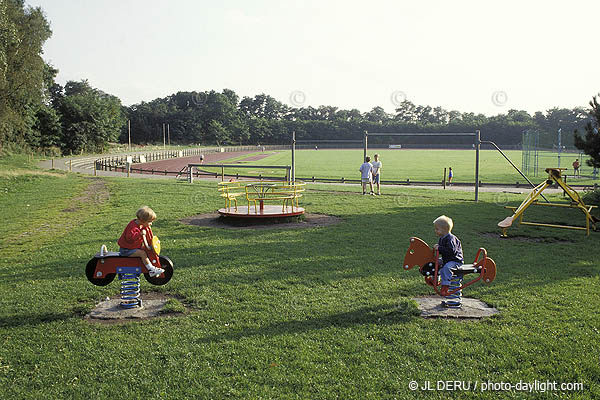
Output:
x=201 y=158
x=316 y=148
x=576 y=167
x=366 y=171
x=377 y=172
x=450 y=176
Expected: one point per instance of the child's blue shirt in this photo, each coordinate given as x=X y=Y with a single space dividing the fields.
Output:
x=450 y=248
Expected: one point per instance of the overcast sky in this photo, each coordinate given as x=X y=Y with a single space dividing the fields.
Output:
x=474 y=56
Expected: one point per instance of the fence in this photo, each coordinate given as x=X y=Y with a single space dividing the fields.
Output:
x=119 y=163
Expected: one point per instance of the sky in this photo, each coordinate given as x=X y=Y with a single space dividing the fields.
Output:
x=472 y=56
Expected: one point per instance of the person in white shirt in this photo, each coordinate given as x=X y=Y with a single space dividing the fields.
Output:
x=366 y=171
x=376 y=172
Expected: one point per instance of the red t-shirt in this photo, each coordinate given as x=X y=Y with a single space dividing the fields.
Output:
x=132 y=237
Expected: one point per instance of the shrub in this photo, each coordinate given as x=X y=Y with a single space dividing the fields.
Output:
x=592 y=197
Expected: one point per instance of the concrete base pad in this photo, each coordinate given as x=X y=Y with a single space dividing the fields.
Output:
x=110 y=310
x=431 y=307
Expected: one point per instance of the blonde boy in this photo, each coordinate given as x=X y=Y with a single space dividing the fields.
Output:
x=131 y=242
x=450 y=249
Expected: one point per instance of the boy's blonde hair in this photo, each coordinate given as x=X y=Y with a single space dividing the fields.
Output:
x=444 y=222
x=146 y=214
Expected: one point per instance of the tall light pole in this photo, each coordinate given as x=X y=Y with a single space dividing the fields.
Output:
x=129 y=132
x=559 y=142
x=164 y=138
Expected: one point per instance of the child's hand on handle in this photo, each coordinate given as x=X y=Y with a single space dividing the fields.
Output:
x=145 y=240
x=435 y=246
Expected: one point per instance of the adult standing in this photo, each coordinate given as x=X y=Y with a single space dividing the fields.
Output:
x=576 y=167
x=377 y=172
x=366 y=173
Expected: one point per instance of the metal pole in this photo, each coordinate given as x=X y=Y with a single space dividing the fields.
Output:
x=164 y=138
x=169 y=134
x=535 y=163
x=293 y=178
x=444 y=179
x=129 y=132
x=477 y=147
x=365 y=145
x=191 y=173
x=524 y=146
x=53 y=163
x=514 y=166
x=559 y=143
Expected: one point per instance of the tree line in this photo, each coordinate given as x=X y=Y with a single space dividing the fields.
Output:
x=224 y=118
x=38 y=113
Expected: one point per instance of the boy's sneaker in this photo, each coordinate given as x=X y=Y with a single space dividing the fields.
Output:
x=364 y=193
x=154 y=271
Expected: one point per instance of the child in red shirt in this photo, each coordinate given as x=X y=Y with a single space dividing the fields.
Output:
x=133 y=240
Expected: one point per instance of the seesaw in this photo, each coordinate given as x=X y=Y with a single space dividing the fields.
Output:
x=554 y=175
x=420 y=254
x=102 y=269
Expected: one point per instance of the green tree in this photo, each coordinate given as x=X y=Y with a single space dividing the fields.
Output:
x=217 y=133
x=23 y=31
x=590 y=142
x=47 y=130
x=90 y=118
x=407 y=112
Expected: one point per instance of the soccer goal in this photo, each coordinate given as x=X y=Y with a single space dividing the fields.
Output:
x=476 y=144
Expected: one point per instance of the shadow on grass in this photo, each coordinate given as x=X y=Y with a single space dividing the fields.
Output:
x=385 y=314
x=20 y=320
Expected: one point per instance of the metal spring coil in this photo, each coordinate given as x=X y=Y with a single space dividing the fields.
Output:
x=454 y=300
x=130 y=290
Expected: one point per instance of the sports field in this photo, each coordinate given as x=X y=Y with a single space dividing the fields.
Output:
x=416 y=165
x=316 y=313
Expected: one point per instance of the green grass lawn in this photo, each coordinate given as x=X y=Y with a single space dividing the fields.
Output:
x=416 y=165
x=320 y=313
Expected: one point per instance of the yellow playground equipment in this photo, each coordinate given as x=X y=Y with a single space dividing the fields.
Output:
x=554 y=175
x=259 y=193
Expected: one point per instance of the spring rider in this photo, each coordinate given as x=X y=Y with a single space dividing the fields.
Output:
x=428 y=260
x=101 y=270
